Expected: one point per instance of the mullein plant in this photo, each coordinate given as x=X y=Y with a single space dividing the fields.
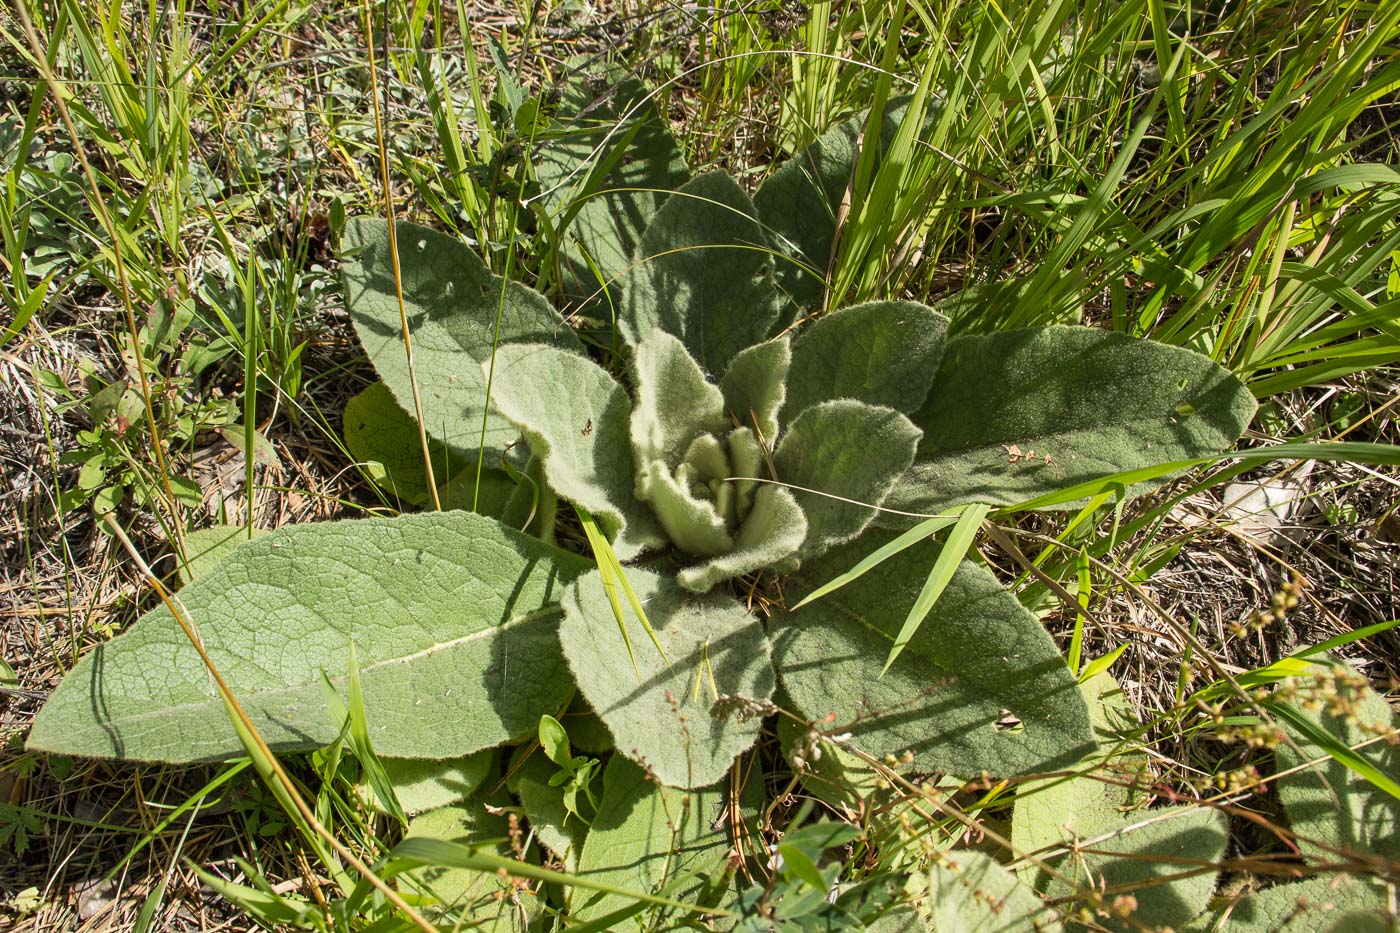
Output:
x=723 y=442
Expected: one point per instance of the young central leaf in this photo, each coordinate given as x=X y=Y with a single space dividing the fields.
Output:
x=699 y=466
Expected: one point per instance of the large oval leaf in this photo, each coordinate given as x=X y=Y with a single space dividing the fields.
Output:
x=659 y=713
x=882 y=353
x=605 y=167
x=978 y=656
x=453 y=617
x=453 y=304
x=647 y=838
x=703 y=273
x=1016 y=414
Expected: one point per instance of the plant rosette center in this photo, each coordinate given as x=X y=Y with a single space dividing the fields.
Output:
x=716 y=478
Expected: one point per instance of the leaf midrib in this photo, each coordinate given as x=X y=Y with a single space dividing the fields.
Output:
x=514 y=622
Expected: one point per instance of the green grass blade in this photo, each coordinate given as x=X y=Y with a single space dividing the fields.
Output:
x=412 y=853
x=954 y=549
x=1345 y=451
x=364 y=751
x=615 y=578
x=1337 y=749
x=872 y=560
x=1076 y=642
x=1294 y=665
x=1101 y=663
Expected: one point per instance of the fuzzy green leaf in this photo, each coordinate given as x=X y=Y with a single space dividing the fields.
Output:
x=1091 y=401
x=675 y=403
x=1144 y=858
x=206 y=548
x=973 y=893
x=955 y=548
x=704 y=274
x=664 y=721
x=577 y=419
x=1337 y=903
x=1329 y=802
x=647 y=836
x=423 y=784
x=978 y=655
x=452 y=301
x=799 y=204
x=610 y=161
x=769 y=538
x=852 y=452
x=691 y=524
x=755 y=386
x=1054 y=811
x=450 y=606
x=882 y=353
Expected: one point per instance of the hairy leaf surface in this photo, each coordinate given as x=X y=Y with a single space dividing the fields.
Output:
x=453 y=617
x=1332 y=903
x=377 y=429
x=485 y=899
x=452 y=302
x=852 y=452
x=663 y=721
x=769 y=538
x=755 y=386
x=883 y=353
x=675 y=402
x=645 y=836
x=1333 y=809
x=978 y=656
x=206 y=548
x=1016 y=414
x=800 y=203
x=423 y=784
x=973 y=893
x=704 y=274
x=1147 y=852
x=556 y=828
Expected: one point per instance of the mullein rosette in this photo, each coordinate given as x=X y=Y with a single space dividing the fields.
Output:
x=737 y=432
